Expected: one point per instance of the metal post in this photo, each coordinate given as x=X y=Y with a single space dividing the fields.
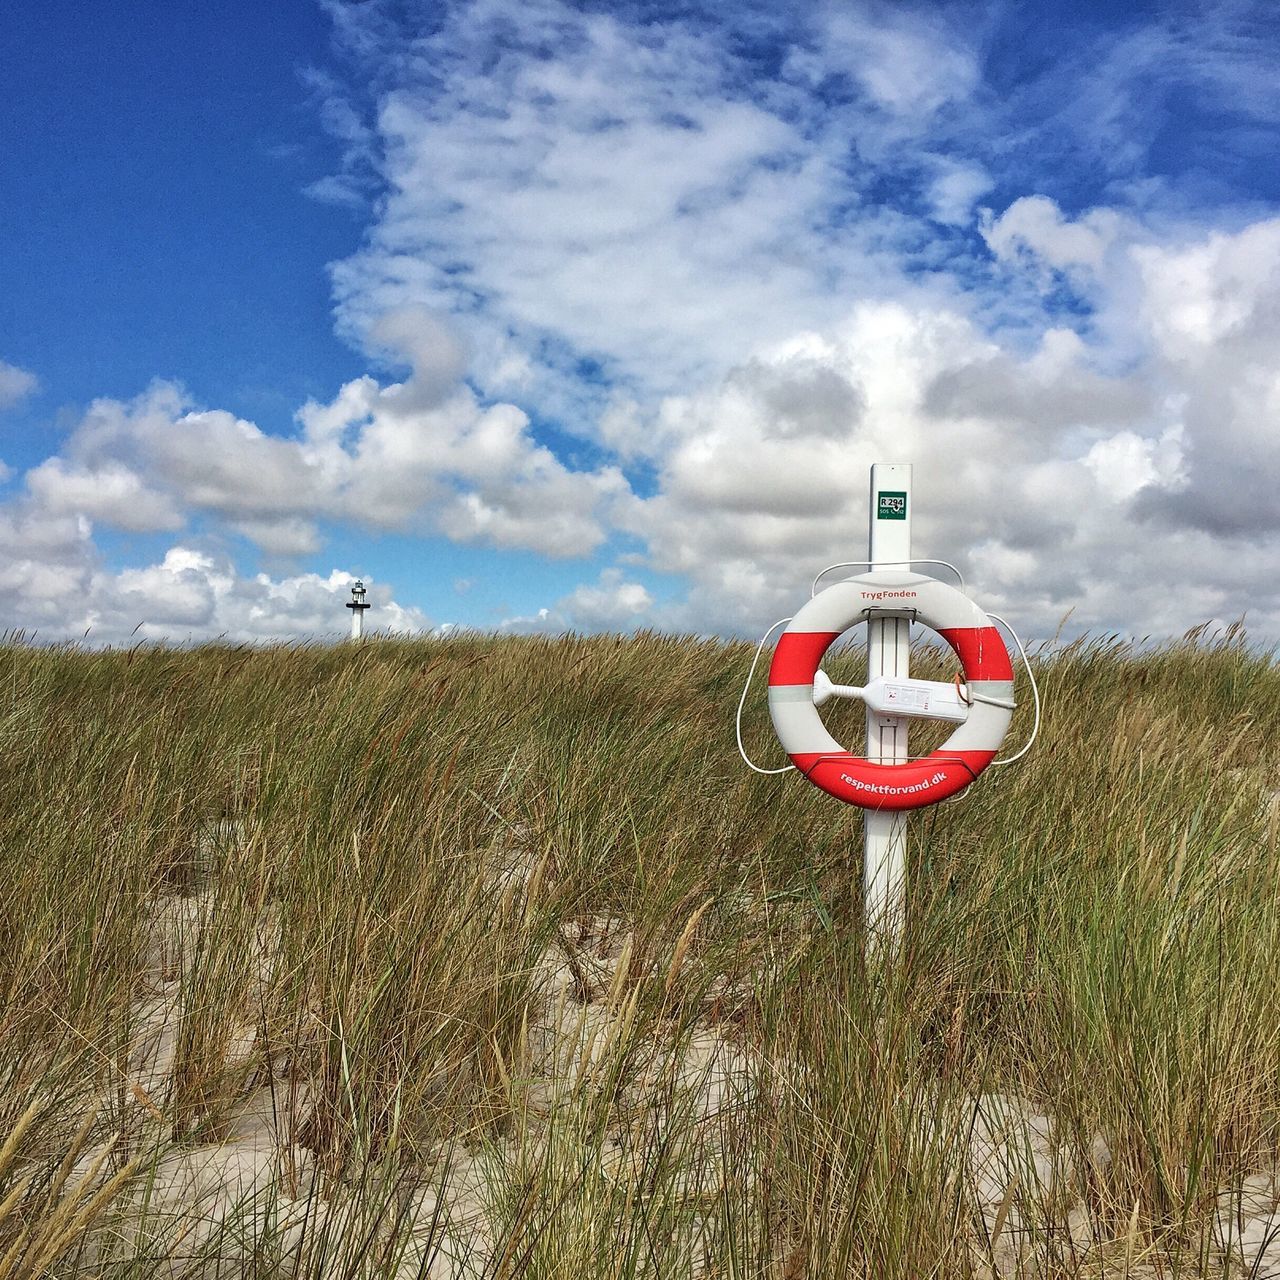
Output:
x=888 y=654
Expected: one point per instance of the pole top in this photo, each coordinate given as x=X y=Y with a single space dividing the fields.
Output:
x=891 y=509
x=358 y=593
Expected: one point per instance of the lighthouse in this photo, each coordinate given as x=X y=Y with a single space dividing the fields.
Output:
x=357 y=604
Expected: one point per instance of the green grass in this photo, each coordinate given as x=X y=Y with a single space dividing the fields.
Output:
x=380 y=852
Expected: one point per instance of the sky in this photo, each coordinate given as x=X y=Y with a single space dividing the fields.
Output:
x=543 y=316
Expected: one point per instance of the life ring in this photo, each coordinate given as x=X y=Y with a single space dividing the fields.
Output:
x=984 y=660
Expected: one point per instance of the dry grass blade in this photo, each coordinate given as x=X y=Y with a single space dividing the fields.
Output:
x=373 y=945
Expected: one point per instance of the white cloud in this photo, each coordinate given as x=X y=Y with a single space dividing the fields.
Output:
x=1125 y=463
x=907 y=62
x=1053 y=389
x=287 y=536
x=612 y=603
x=1040 y=472
x=339 y=189
x=1218 y=289
x=188 y=595
x=470 y=472
x=45 y=565
x=745 y=283
x=1211 y=305
x=432 y=350
x=109 y=492
x=139 y=465
x=424 y=454
x=954 y=192
x=658 y=198
x=1034 y=226
x=15 y=385
x=617 y=192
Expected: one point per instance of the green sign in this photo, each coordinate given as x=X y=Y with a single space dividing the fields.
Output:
x=891 y=505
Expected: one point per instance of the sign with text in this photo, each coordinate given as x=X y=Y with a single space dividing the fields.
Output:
x=891 y=505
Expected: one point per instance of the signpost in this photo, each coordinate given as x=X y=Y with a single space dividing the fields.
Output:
x=886 y=781
x=888 y=654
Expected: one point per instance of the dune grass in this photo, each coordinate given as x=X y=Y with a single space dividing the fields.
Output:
x=351 y=873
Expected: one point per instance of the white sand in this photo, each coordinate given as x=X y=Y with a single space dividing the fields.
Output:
x=206 y=1208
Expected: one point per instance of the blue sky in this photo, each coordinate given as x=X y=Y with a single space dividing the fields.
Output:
x=552 y=315
x=155 y=222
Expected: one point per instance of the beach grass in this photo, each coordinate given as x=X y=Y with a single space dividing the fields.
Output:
x=487 y=956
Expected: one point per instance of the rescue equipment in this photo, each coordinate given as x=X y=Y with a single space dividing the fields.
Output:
x=981 y=706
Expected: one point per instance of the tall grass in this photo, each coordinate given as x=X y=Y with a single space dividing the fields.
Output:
x=354 y=876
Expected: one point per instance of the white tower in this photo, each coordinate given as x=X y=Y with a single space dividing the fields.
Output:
x=357 y=605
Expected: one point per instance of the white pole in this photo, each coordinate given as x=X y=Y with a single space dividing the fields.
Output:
x=357 y=623
x=884 y=863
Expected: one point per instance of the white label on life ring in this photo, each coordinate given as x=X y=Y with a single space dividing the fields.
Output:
x=928 y=699
x=906 y=698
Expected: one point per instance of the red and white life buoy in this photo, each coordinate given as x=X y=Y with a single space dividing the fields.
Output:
x=854 y=779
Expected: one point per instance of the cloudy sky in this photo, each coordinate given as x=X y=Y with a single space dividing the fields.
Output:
x=544 y=315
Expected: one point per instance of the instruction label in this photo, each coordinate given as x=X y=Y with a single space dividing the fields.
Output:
x=907 y=697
